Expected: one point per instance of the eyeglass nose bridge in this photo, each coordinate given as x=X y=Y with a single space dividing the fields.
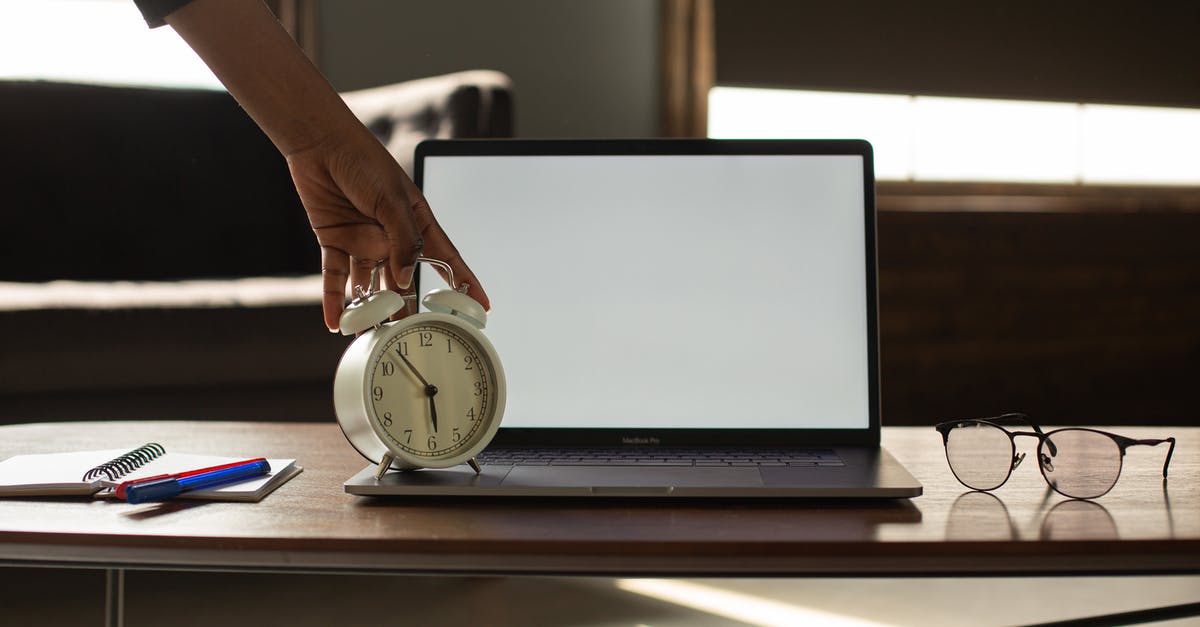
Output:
x=1041 y=438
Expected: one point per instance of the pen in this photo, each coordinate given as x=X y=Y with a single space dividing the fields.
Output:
x=168 y=487
x=120 y=491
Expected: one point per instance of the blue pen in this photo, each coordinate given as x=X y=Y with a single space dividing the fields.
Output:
x=170 y=487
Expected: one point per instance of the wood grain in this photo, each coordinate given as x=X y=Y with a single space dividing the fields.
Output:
x=310 y=524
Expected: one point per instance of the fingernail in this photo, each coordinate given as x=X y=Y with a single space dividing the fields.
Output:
x=406 y=276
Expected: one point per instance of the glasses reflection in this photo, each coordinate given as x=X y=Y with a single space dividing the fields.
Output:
x=982 y=516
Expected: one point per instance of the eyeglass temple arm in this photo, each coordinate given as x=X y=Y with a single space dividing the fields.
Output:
x=1170 y=450
x=1128 y=442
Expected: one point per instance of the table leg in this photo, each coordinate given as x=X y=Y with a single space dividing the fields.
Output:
x=114 y=597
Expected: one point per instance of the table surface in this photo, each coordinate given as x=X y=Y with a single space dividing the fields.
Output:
x=311 y=525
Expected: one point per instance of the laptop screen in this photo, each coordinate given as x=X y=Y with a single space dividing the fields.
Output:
x=657 y=288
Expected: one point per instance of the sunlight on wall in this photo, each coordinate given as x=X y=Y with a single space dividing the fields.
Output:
x=94 y=41
x=968 y=139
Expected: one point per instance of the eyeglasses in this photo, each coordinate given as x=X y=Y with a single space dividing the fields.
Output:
x=1078 y=463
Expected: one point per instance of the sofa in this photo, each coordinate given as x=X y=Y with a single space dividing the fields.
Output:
x=156 y=262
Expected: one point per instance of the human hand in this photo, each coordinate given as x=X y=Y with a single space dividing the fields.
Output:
x=365 y=211
x=362 y=206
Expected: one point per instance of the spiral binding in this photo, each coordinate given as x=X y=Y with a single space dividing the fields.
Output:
x=127 y=463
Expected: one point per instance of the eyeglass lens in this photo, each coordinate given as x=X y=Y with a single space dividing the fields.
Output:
x=1085 y=464
x=980 y=455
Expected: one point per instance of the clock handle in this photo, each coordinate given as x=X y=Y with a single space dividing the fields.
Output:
x=449 y=273
x=361 y=293
x=374 y=285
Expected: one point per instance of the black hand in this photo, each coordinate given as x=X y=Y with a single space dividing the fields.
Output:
x=431 y=391
x=414 y=371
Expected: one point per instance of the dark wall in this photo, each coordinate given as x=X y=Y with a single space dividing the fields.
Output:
x=584 y=68
x=1073 y=317
x=1116 y=51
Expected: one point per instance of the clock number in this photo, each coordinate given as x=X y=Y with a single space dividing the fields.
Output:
x=478 y=388
x=467 y=361
x=449 y=346
x=426 y=339
x=408 y=436
x=455 y=436
x=402 y=349
x=432 y=443
x=389 y=368
x=387 y=418
x=377 y=393
x=470 y=414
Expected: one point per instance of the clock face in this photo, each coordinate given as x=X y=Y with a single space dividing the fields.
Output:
x=432 y=391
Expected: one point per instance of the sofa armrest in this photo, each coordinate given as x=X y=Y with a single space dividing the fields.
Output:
x=473 y=104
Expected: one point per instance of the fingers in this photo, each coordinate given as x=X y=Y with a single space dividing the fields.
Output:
x=438 y=246
x=360 y=272
x=335 y=271
x=365 y=215
x=336 y=268
x=410 y=304
x=404 y=249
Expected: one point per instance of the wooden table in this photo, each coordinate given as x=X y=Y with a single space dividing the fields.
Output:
x=311 y=525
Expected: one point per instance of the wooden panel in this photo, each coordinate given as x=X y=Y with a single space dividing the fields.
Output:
x=687 y=66
x=1076 y=317
x=1119 y=51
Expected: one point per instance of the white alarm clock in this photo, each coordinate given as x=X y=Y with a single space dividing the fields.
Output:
x=426 y=391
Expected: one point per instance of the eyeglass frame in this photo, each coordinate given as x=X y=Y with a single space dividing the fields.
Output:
x=1121 y=441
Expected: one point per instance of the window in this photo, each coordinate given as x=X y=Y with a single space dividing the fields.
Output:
x=926 y=138
x=93 y=41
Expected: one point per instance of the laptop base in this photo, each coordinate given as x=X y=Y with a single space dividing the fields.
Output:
x=868 y=473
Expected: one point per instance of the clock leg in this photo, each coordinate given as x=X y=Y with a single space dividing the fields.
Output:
x=474 y=466
x=384 y=464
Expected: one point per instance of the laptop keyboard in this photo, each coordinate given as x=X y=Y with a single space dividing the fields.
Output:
x=659 y=457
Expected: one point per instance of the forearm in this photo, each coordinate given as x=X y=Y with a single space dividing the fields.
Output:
x=268 y=74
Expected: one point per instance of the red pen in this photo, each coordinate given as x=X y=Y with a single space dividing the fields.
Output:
x=120 y=491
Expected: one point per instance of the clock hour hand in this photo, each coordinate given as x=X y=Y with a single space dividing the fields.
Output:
x=430 y=391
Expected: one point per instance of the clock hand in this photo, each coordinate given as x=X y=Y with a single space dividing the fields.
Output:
x=414 y=371
x=430 y=390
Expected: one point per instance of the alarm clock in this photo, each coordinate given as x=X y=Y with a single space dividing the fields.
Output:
x=425 y=391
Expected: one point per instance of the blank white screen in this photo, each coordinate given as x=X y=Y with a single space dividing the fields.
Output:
x=667 y=291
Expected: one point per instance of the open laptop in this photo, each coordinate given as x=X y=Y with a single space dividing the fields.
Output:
x=676 y=318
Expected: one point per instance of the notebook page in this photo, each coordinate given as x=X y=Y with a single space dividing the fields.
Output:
x=52 y=473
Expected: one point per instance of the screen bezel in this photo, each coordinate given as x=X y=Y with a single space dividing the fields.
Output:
x=868 y=436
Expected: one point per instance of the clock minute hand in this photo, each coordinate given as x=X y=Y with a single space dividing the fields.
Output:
x=430 y=390
x=414 y=371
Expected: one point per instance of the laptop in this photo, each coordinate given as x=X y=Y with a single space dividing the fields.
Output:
x=676 y=318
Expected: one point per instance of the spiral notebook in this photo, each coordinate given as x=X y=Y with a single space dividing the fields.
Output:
x=98 y=472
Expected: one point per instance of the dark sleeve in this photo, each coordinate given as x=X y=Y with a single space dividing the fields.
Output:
x=155 y=10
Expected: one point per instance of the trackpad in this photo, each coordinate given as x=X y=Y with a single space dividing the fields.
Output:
x=632 y=476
